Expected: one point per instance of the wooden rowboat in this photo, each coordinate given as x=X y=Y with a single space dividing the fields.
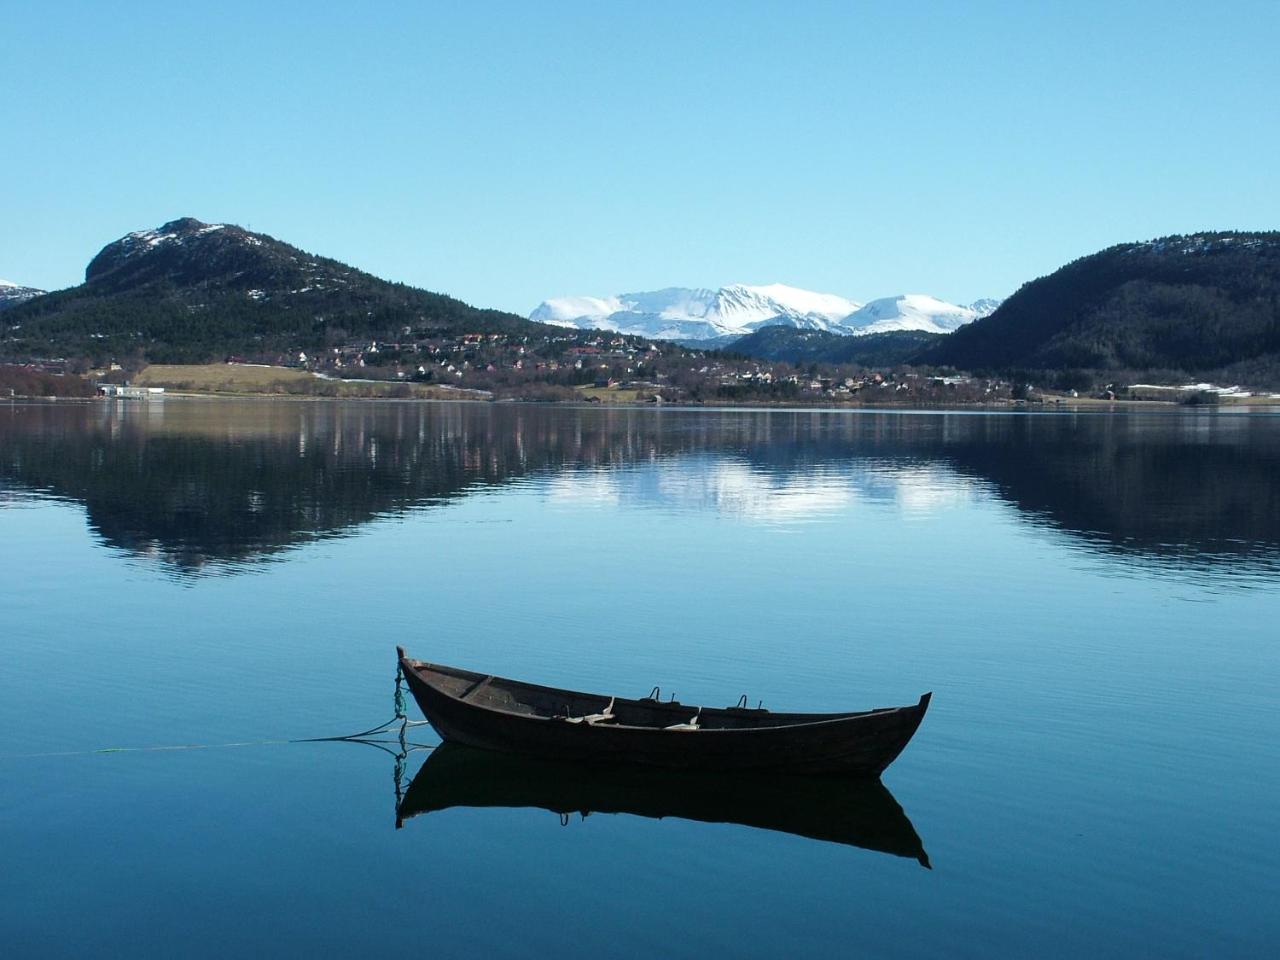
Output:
x=858 y=813
x=493 y=713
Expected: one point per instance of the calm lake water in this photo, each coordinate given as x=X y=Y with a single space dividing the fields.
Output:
x=1092 y=598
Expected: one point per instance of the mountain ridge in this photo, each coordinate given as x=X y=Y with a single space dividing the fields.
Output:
x=696 y=312
x=689 y=314
x=1205 y=303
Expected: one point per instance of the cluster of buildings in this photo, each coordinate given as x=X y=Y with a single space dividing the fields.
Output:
x=457 y=356
x=122 y=391
x=609 y=361
x=843 y=384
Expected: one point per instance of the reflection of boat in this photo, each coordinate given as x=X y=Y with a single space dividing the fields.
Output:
x=508 y=715
x=860 y=813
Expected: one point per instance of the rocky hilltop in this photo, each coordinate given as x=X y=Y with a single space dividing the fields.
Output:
x=12 y=294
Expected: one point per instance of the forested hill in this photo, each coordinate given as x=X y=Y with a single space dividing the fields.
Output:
x=816 y=346
x=1196 y=303
x=191 y=291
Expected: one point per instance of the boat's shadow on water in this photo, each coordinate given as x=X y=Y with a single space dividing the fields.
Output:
x=859 y=813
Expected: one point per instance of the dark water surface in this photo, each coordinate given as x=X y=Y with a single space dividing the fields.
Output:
x=1094 y=600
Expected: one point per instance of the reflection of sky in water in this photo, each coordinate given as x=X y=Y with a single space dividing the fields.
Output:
x=735 y=488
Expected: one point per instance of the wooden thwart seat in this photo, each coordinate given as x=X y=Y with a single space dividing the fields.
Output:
x=475 y=686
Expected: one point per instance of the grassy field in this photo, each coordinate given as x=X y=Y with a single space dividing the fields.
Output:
x=217 y=376
x=614 y=394
x=237 y=379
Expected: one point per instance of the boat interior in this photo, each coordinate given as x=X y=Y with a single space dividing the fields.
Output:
x=514 y=696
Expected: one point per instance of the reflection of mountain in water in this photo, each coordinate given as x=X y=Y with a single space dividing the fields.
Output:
x=859 y=813
x=200 y=482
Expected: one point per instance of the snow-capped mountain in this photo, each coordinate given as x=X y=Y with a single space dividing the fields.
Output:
x=682 y=313
x=915 y=311
x=12 y=294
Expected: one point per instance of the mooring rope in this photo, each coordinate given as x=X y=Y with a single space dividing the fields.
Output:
x=362 y=737
x=151 y=749
x=404 y=723
x=400 y=720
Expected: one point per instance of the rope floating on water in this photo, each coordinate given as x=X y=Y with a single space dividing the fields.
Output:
x=365 y=736
x=151 y=749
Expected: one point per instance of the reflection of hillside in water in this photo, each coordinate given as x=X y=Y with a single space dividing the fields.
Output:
x=197 y=482
x=1196 y=487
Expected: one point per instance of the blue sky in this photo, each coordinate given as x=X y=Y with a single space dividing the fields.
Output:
x=508 y=152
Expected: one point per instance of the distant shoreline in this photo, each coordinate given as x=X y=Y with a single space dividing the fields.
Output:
x=869 y=390
x=254 y=381
x=1048 y=402
x=1065 y=405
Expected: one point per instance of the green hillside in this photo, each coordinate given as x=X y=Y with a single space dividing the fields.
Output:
x=193 y=292
x=1195 y=304
x=789 y=345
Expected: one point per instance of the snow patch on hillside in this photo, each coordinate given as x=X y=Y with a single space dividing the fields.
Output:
x=12 y=294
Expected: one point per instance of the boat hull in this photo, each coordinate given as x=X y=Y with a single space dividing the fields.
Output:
x=857 y=745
